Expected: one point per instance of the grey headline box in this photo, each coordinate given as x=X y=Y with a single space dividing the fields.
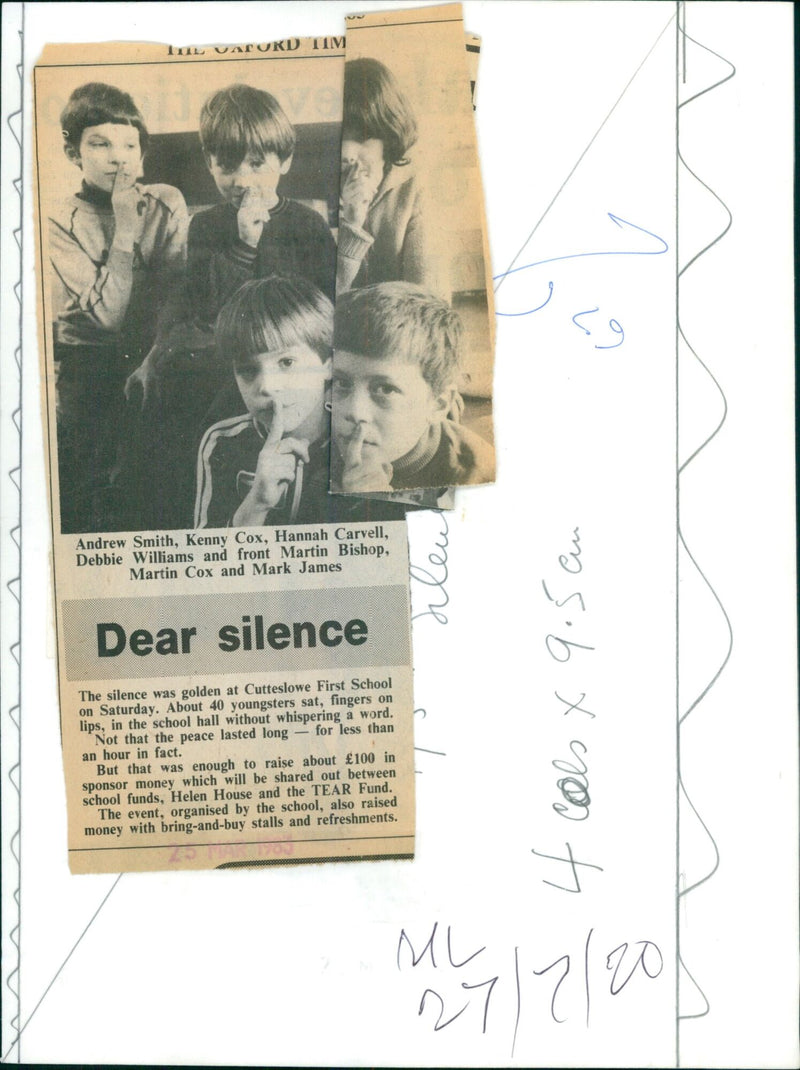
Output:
x=210 y=634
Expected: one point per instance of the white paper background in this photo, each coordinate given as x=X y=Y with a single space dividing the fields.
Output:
x=298 y=966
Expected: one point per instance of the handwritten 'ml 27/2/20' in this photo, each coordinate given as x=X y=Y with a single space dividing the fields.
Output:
x=470 y=986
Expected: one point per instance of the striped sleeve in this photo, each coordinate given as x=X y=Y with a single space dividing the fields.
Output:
x=214 y=498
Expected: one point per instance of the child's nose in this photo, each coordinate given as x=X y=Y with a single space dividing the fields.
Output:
x=269 y=384
x=357 y=405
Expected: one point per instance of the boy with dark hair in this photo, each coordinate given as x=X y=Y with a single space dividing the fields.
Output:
x=271 y=464
x=116 y=247
x=384 y=235
x=248 y=143
x=396 y=369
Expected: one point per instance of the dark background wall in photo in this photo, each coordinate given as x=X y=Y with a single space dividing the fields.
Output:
x=177 y=159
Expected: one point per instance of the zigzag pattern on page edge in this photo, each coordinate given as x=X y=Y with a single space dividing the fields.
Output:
x=12 y=545
x=684 y=37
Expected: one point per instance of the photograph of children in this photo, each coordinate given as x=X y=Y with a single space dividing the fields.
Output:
x=382 y=225
x=117 y=246
x=271 y=464
x=413 y=361
x=164 y=188
x=396 y=403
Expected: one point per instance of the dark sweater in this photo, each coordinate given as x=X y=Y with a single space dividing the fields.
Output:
x=449 y=455
x=294 y=241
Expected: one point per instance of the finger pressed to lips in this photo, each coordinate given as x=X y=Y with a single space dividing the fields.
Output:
x=357 y=436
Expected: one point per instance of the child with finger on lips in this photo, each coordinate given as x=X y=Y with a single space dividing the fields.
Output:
x=254 y=232
x=248 y=144
x=270 y=465
x=396 y=402
x=384 y=221
x=116 y=248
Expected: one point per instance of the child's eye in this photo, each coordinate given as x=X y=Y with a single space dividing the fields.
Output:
x=385 y=390
x=246 y=372
x=285 y=363
x=340 y=384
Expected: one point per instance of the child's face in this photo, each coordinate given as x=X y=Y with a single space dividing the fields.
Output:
x=257 y=172
x=293 y=378
x=387 y=398
x=106 y=149
x=363 y=158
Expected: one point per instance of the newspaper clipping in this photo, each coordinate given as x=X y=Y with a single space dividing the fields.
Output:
x=233 y=640
x=414 y=337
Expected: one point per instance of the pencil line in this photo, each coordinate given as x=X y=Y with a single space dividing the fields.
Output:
x=383 y=25
x=719 y=201
x=715 y=866
x=14 y=122
x=682 y=7
x=699 y=698
x=683 y=795
x=703 y=1013
x=677 y=927
x=723 y=398
x=519 y=1002
x=577 y=163
x=714 y=85
x=181 y=61
x=236 y=843
x=58 y=972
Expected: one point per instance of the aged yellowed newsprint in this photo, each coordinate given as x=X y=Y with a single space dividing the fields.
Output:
x=233 y=640
x=414 y=339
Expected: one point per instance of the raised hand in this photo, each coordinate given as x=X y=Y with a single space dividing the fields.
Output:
x=359 y=184
x=129 y=205
x=365 y=468
x=276 y=468
x=253 y=213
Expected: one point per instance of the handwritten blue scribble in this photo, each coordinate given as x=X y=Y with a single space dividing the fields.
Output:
x=588 y=312
x=538 y=307
x=619 y=222
x=616 y=327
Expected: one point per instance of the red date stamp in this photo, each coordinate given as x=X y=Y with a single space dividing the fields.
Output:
x=232 y=852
